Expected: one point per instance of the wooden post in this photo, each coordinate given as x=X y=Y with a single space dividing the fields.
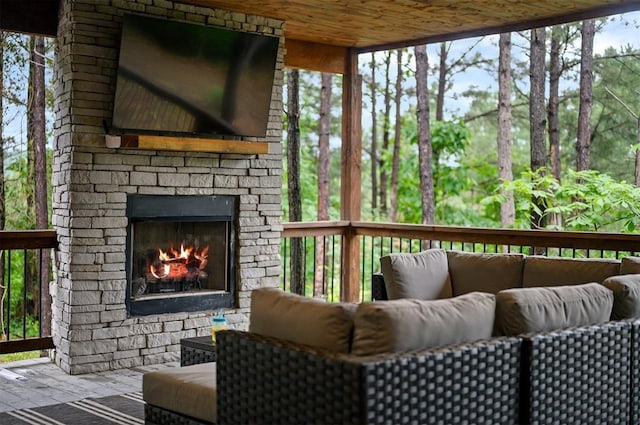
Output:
x=351 y=171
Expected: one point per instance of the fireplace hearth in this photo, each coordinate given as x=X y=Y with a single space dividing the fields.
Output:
x=180 y=252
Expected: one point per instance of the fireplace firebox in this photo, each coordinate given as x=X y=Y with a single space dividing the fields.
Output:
x=180 y=253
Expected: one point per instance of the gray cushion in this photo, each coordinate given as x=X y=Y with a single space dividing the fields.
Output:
x=626 y=296
x=303 y=320
x=407 y=324
x=423 y=275
x=630 y=265
x=525 y=310
x=167 y=389
x=555 y=271
x=484 y=272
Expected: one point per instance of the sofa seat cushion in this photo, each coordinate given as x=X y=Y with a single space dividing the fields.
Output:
x=423 y=275
x=188 y=390
x=555 y=271
x=626 y=296
x=408 y=324
x=484 y=272
x=302 y=320
x=526 y=310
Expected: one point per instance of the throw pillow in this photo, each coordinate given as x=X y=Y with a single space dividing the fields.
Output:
x=626 y=296
x=302 y=320
x=408 y=324
x=423 y=275
x=525 y=310
x=484 y=272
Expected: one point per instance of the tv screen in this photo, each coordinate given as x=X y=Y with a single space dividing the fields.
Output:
x=177 y=78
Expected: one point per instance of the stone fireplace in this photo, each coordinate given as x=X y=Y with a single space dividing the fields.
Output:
x=117 y=300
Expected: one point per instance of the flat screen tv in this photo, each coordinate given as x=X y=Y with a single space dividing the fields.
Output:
x=177 y=78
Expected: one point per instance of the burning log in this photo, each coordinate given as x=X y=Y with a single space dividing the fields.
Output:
x=184 y=267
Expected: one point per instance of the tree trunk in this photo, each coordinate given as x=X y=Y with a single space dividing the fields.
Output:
x=2 y=197
x=442 y=82
x=396 y=141
x=374 y=136
x=324 y=127
x=637 y=167
x=505 y=172
x=40 y=175
x=386 y=125
x=555 y=71
x=293 y=181
x=537 y=112
x=424 y=136
x=583 y=143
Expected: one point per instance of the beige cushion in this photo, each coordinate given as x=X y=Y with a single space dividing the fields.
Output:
x=554 y=271
x=630 y=265
x=303 y=320
x=626 y=296
x=407 y=324
x=525 y=310
x=167 y=389
x=423 y=276
x=484 y=272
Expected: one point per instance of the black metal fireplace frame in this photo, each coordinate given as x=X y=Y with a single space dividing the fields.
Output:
x=195 y=208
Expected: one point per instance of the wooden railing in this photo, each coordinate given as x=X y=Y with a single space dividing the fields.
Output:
x=323 y=270
x=22 y=255
x=378 y=239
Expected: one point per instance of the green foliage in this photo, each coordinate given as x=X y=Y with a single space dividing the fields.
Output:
x=585 y=200
x=19 y=215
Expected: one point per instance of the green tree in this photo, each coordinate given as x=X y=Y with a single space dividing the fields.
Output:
x=587 y=200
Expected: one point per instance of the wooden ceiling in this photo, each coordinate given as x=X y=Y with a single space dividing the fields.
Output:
x=367 y=25
x=381 y=24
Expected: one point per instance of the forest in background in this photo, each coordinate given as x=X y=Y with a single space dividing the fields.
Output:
x=550 y=141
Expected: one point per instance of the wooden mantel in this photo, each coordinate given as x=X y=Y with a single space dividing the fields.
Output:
x=188 y=144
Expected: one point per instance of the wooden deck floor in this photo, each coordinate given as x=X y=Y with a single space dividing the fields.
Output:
x=35 y=383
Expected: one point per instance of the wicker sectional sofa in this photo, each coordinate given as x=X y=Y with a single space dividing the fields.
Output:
x=306 y=361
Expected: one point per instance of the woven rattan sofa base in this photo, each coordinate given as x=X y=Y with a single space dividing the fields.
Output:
x=154 y=415
x=578 y=376
x=635 y=372
x=270 y=381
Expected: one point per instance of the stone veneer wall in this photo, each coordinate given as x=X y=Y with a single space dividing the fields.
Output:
x=90 y=184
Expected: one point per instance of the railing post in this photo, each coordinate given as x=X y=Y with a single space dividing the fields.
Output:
x=351 y=187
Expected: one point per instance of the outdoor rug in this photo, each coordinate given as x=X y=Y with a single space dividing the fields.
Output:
x=125 y=409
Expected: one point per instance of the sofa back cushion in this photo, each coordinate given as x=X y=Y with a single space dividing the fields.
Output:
x=484 y=272
x=409 y=324
x=555 y=271
x=626 y=296
x=525 y=310
x=630 y=265
x=423 y=275
x=302 y=320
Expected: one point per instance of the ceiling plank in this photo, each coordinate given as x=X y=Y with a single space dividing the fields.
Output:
x=39 y=17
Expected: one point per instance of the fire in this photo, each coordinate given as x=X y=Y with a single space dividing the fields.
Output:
x=174 y=264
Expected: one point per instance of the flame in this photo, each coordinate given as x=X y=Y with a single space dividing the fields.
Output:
x=159 y=275
x=176 y=264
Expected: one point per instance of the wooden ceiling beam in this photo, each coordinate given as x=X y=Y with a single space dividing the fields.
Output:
x=314 y=56
x=38 y=17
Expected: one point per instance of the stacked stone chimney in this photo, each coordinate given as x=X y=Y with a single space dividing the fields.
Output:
x=92 y=330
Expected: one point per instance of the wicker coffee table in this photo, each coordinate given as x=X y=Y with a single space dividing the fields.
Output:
x=197 y=350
